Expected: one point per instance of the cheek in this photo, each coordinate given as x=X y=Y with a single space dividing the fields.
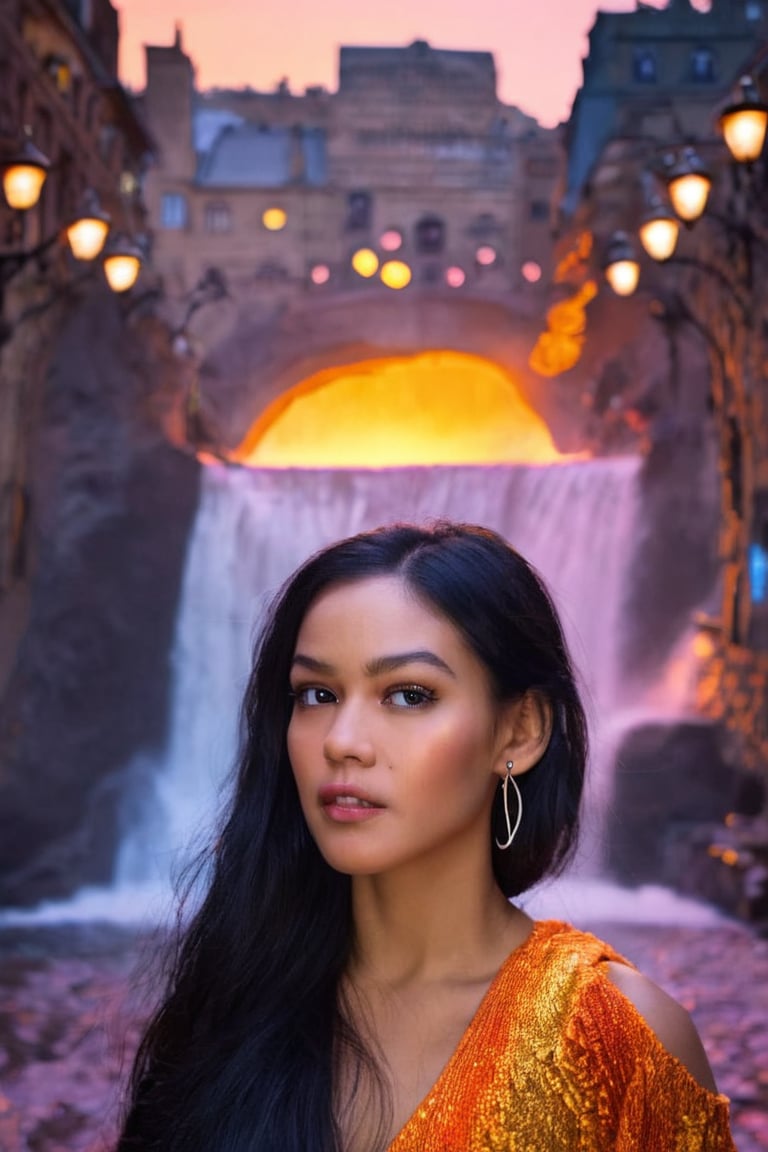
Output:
x=299 y=744
x=455 y=757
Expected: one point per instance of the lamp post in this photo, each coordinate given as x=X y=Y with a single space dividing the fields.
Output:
x=743 y=124
x=722 y=274
x=23 y=173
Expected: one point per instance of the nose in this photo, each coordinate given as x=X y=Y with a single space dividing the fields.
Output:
x=348 y=737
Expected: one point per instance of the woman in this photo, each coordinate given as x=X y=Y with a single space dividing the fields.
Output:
x=356 y=978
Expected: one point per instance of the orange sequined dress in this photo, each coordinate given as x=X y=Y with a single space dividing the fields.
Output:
x=556 y=1059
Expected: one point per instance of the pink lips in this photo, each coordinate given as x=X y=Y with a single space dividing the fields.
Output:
x=346 y=804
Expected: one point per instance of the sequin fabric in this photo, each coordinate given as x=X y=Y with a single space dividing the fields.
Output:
x=556 y=1058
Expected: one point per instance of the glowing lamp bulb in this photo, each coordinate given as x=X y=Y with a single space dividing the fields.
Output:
x=320 y=274
x=391 y=240
x=24 y=176
x=531 y=271
x=485 y=255
x=744 y=124
x=689 y=195
x=658 y=236
x=623 y=276
x=620 y=265
x=122 y=265
x=87 y=236
x=274 y=219
x=396 y=274
x=365 y=262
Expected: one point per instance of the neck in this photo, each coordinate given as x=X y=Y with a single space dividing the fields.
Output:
x=433 y=921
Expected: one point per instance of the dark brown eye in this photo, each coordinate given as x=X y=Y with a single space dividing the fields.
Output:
x=409 y=697
x=311 y=697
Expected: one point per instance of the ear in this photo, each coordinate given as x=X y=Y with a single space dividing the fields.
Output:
x=524 y=732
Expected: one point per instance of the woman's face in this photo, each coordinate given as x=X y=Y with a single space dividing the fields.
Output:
x=393 y=740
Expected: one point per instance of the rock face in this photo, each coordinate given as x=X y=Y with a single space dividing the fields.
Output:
x=670 y=780
x=112 y=503
x=678 y=567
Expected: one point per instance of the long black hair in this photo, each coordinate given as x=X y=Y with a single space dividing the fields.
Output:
x=240 y=1055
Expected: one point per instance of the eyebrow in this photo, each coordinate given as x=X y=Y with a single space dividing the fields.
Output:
x=381 y=664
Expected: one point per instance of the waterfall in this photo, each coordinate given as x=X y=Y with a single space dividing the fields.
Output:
x=574 y=522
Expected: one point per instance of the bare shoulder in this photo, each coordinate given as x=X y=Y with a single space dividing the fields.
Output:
x=668 y=1019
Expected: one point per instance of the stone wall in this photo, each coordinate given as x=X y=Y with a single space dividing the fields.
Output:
x=87 y=688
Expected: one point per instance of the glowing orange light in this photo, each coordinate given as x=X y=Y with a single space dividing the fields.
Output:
x=576 y=261
x=455 y=276
x=439 y=407
x=121 y=269
x=365 y=262
x=320 y=274
x=531 y=271
x=391 y=240
x=703 y=646
x=23 y=177
x=558 y=349
x=396 y=274
x=274 y=219
x=555 y=353
x=485 y=255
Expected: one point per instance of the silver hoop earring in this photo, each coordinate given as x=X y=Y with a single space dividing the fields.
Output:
x=511 y=832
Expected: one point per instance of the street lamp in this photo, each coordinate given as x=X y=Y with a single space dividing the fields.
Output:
x=87 y=234
x=621 y=266
x=23 y=175
x=122 y=264
x=744 y=123
x=659 y=231
x=689 y=183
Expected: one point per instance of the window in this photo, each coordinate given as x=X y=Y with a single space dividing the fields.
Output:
x=173 y=211
x=218 y=217
x=430 y=235
x=358 y=211
x=702 y=65
x=539 y=210
x=644 y=70
x=60 y=71
x=484 y=227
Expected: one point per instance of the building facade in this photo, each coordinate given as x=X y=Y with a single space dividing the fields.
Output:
x=656 y=74
x=59 y=86
x=413 y=159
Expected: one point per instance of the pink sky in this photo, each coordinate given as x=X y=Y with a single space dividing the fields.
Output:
x=538 y=44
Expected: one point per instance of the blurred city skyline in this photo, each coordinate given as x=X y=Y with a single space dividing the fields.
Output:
x=538 y=47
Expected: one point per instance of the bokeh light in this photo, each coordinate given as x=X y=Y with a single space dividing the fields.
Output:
x=455 y=276
x=391 y=240
x=486 y=255
x=531 y=271
x=396 y=274
x=365 y=262
x=320 y=274
x=274 y=219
